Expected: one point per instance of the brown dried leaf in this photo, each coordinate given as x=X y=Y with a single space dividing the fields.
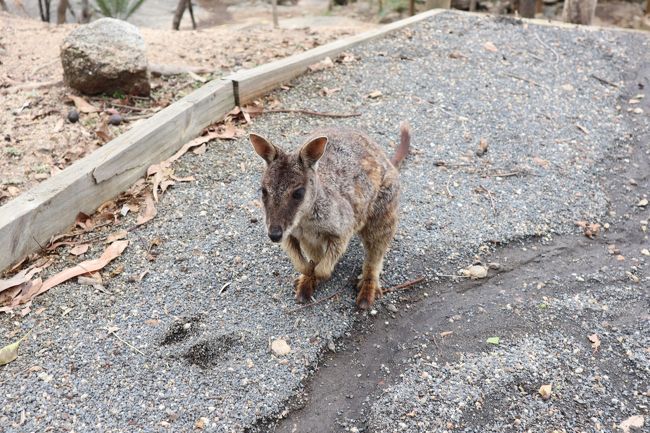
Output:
x=200 y=150
x=82 y=105
x=18 y=279
x=326 y=63
x=545 y=391
x=595 y=341
x=325 y=91
x=490 y=47
x=103 y=133
x=82 y=220
x=482 y=147
x=541 y=162
x=116 y=236
x=79 y=249
x=149 y=211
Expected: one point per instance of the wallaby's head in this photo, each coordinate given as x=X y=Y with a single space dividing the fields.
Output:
x=288 y=182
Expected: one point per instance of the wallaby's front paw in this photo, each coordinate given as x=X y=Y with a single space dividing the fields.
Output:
x=305 y=286
x=369 y=290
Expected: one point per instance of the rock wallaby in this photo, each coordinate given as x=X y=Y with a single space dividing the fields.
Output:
x=338 y=183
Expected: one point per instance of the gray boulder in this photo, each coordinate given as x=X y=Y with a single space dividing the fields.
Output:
x=105 y=56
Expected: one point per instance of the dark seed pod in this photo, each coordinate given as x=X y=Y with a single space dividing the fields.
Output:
x=73 y=115
x=115 y=119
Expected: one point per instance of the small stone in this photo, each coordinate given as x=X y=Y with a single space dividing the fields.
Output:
x=115 y=119
x=545 y=391
x=373 y=312
x=201 y=423
x=391 y=308
x=280 y=347
x=638 y=110
x=73 y=116
x=579 y=370
x=643 y=202
x=645 y=252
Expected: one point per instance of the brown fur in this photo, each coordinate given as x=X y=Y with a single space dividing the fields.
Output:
x=337 y=184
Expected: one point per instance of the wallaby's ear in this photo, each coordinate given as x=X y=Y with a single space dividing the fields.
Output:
x=312 y=151
x=263 y=148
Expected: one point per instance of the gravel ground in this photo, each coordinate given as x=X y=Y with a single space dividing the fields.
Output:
x=217 y=292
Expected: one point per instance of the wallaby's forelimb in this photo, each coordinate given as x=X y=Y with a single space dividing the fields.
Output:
x=292 y=247
x=335 y=249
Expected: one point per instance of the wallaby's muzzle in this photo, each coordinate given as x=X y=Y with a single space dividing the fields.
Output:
x=275 y=233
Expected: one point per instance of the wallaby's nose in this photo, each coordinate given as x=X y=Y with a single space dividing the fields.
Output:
x=275 y=233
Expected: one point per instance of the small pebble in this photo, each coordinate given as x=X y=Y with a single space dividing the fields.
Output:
x=73 y=116
x=115 y=119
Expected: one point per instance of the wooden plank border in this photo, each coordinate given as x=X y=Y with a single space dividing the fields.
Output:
x=32 y=218
x=252 y=83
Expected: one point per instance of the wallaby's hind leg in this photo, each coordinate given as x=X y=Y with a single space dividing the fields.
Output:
x=376 y=237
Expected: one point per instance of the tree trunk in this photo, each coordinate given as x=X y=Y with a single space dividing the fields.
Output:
x=579 y=11
x=274 y=7
x=3 y=5
x=178 y=15
x=527 y=8
x=60 y=11
x=85 y=12
x=412 y=7
x=438 y=4
x=44 y=10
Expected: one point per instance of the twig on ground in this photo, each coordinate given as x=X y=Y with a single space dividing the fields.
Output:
x=405 y=285
x=31 y=86
x=508 y=174
x=535 y=83
x=604 y=81
x=311 y=304
x=309 y=113
x=129 y=107
x=126 y=342
x=137 y=117
x=549 y=47
x=452 y=276
x=447 y=186
x=38 y=68
x=489 y=194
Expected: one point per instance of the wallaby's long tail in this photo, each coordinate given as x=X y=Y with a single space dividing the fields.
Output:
x=404 y=144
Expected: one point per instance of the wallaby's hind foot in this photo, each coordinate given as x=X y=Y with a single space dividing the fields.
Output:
x=369 y=290
x=305 y=286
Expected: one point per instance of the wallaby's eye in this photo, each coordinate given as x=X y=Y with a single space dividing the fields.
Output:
x=264 y=192
x=299 y=193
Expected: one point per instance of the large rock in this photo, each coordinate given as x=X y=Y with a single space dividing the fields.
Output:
x=105 y=56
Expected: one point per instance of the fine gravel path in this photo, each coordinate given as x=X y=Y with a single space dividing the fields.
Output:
x=218 y=292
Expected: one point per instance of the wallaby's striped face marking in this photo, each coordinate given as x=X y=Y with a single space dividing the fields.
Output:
x=287 y=183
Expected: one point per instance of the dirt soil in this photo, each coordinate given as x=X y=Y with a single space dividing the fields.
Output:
x=38 y=140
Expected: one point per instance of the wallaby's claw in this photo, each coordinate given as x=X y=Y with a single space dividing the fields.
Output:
x=305 y=286
x=369 y=290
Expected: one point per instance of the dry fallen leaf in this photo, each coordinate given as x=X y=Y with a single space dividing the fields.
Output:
x=18 y=279
x=280 y=347
x=10 y=352
x=595 y=341
x=110 y=253
x=634 y=422
x=545 y=391
x=482 y=147
x=490 y=47
x=326 y=63
x=116 y=236
x=325 y=91
x=149 y=211
x=103 y=133
x=84 y=221
x=82 y=105
x=443 y=334
x=80 y=249
x=541 y=162
x=200 y=150
x=374 y=94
